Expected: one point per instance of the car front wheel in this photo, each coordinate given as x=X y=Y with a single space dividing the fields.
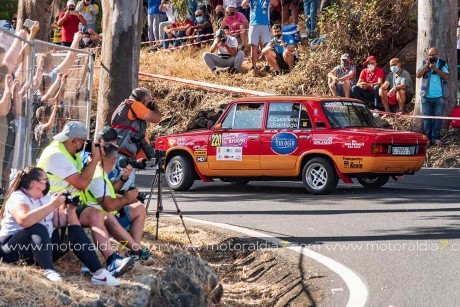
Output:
x=373 y=181
x=319 y=176
x=179 y=173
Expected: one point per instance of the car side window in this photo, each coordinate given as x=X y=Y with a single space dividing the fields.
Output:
x=244 y=116
x=287 y=116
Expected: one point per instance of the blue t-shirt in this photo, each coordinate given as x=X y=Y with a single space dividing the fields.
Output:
x=260 y=12
x=435 y=89
x=287 y=39
x=154 y=7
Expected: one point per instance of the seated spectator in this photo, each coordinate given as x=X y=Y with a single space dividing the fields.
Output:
x=125 y=214
x=90 y=39
x=220 y=14
x=369 y=82
x=227 y=55
x=342 y=77
x=279 y=52
x=398 y=88
x=177 y=29
x=236 y=22
x=201 y=26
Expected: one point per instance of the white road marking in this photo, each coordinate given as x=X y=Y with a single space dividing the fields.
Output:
x=356 y=286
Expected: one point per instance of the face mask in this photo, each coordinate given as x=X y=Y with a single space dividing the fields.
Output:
x=71 y=9
x=344 y=63
x=220 y=15
x=199 y=19
x=231 y=13
x=371 y=67
x=394 y=68
x=47 y=189
x=81 y=148
x=86 y=40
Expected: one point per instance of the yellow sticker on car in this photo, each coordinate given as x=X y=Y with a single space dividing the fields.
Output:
x=200 y=153
x=216 y=140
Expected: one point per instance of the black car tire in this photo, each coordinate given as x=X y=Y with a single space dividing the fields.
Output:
x=373 y=181
x=319 y=176
x=179 y=173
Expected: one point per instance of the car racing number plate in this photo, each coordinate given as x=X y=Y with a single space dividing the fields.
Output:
x=401 y=150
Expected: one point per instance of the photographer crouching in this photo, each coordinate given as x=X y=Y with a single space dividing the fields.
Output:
x=130 y=121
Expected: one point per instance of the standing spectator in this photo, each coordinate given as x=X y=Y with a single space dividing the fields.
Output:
x=293 y=7
x=434 y=73
x=398 y=88
x=11 y=25
x=279 y=53
x=167 y=7
x=228 y=54
x=89 y=11
x=180 y=27
x=342 y=77
x=69 y=21
x=369 y=82
x=325 y=4
x=236 y=22
x=259 y=26
x=155 y=18
x=275 y=12
x=310 y=8
x=201 y=26
x=220 y=14
x=57 y=35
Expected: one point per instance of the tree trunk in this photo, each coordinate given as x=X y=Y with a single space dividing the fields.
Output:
x=39 y=10
x=120 y=55
x=437 y=27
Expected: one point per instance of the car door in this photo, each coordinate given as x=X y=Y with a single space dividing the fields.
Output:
x=237 y=145
x=286 y=135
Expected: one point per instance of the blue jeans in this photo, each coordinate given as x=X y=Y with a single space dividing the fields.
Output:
x=366 y=95
x=310 y=8
x=176 y=43
x=432 y=107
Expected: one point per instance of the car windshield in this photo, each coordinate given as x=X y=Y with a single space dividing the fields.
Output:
x=343 y=114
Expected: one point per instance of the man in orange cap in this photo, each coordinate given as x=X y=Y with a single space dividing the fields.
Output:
x=369 y=82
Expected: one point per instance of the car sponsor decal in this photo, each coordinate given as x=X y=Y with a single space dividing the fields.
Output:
x=327 y=141
x=352 y=162
x=200 y=153
x=171 y=141
x=284 y=143
x=229 y=153
x=201 y=159
x=229 y=140
x=180 y=141
x=353 y=144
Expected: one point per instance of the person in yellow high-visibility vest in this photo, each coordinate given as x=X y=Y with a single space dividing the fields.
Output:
x=65 y=172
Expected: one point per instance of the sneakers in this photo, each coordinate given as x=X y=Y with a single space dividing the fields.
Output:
x=120 y=265
x=142 y=254
x=84 y=270
x=52 y=275
x=105 y=279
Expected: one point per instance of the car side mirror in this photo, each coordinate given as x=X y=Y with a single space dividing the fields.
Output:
x=218 y=127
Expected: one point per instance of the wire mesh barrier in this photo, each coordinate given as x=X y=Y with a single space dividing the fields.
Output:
x=42 y=86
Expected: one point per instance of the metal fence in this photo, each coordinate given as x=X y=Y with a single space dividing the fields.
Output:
x=42 y=86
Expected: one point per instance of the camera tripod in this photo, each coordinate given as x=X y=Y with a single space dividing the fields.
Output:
x=157 y=181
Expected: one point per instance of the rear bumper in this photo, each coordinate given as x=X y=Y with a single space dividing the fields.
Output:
x=385 y=164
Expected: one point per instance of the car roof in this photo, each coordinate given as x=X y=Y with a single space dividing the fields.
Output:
x=297 y=98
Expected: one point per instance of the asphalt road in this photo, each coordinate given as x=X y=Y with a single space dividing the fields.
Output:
x=403 y=240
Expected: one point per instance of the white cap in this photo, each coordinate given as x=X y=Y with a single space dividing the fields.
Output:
x=70 y=2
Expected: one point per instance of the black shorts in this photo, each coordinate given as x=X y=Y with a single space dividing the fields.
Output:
x=281 y=62
x=284 y=2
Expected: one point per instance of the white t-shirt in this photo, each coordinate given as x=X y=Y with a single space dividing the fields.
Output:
x=231 y=41
x=170 y=12
x=9 y=226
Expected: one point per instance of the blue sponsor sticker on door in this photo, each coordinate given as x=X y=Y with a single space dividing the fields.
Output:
x=284 y=143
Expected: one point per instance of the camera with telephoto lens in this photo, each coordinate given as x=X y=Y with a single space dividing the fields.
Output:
x=71 y=200
x=87 y=147
x=141 y=196
x=124 y=161
x=223 y=40
x=139 y=138
x=432 y=60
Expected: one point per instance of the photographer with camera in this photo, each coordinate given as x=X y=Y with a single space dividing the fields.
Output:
x=433 y=92
x=40 y=228
x=227 y=55
x=69 y=21
x=130 y=121
x=62 y=162
x=125 y=214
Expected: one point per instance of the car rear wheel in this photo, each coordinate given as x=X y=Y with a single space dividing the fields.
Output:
x=373 y=181
x=319 y=176
x=179 y=173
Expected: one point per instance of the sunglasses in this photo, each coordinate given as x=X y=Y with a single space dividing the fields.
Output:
x=198 y=15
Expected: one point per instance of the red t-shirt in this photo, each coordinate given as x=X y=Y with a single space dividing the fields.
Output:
x=69 y=27
x=178 y=23
x=372 y=76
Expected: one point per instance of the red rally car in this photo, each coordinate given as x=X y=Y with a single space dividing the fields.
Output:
x=318 y=140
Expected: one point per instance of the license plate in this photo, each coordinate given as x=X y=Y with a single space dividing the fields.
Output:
x=402 y=151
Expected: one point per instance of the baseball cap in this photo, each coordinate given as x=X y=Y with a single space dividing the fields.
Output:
x=220 y=33
x=108 y=134
x=345 y=56
x=70 y=2
x=370 y=58
x=72 y=130
x=231 y=5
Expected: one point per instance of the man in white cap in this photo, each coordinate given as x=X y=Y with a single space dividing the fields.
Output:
x=61 y=161
x=69 y=21
x=236 y=22
x=228 y=55
x=342 y=77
